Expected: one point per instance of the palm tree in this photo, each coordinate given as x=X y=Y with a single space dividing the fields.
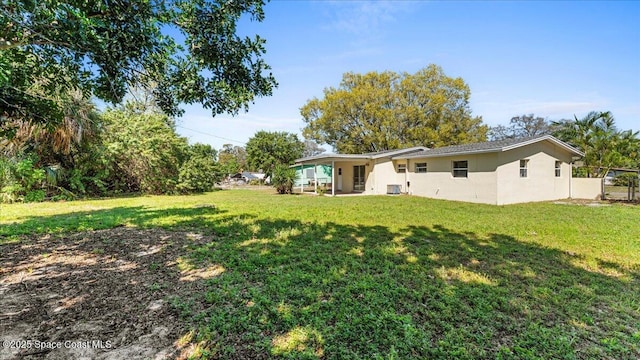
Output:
x=79 y=122
x=603 y=144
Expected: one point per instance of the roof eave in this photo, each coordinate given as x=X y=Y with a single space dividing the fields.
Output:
x=427 y=155
x=392 y=154
x=549 y=138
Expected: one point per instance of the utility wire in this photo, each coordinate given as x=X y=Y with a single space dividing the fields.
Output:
x=215 y=136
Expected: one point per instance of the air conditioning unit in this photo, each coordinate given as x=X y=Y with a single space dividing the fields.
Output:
x=394 y=189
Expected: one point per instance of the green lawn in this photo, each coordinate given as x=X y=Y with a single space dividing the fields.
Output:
x=387 y=277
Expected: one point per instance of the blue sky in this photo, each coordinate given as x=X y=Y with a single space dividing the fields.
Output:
x=553 y=59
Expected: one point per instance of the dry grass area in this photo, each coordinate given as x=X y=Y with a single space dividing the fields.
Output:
x=100 y=294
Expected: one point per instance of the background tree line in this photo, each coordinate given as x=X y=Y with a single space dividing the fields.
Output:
x=57 y=57
x=121 y=150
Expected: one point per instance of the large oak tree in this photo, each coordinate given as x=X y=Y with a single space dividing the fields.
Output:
x=189 y=51
x=385 y=110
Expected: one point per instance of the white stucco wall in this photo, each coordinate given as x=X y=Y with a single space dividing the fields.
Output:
x=586 y=188
x=541 y=184
x=385 y=173
x=347 y=175
x=438 y=182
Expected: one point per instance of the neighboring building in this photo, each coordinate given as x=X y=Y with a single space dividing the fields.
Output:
x=247 y=177
x=615 y=172
x=497 y=172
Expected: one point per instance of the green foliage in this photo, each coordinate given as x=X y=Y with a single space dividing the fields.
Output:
x=129 y=149
x=28 y=175
x=383 y=111
x=232 y=159
x=34 y=196
x=283 y=178
x=604 y=146
x=143 y=151
x=204 y=151
x=102 y=48
x=369 y=277
x=266 y=150
x=625 y=179
x=200 y=172
x=9 y=187
x=21 y=180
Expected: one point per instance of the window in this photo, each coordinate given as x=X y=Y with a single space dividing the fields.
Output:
x=421 y=167
x=460 y=168
x=310 y=173
x=402 y=168
x=558 y=167
x=523 y=168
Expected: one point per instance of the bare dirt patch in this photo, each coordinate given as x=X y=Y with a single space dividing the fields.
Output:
x=98 y=295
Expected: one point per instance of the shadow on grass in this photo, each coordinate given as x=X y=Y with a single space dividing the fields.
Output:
x=109 y=218
x=308 y=290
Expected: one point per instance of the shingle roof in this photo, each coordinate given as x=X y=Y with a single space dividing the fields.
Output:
x=421 y=152
x=489 y=146
x=372 y=155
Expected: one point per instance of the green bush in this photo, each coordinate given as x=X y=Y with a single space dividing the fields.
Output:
x=30 y=177
x=21 y=181
x=34 y=196
x=143 y=152
x=283 y=178
x=623 y=179
x=200 y=172
x=197 y=175
x=10 y=193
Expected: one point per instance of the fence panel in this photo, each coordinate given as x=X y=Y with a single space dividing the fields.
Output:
x=628 y=192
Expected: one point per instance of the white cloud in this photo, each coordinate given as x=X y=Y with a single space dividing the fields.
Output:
x=365 y=18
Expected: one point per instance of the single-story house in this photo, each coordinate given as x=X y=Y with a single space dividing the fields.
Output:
x=496 y=172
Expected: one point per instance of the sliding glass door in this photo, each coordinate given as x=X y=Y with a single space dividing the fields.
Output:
x=358 y=178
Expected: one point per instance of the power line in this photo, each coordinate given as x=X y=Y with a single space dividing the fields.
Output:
x=215 y=136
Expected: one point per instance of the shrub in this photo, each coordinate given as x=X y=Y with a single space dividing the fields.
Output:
x=34 y=196
x=283 y=178
x=623 y=179
x=144 y=152
x=197 y=175
x=21 y=181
